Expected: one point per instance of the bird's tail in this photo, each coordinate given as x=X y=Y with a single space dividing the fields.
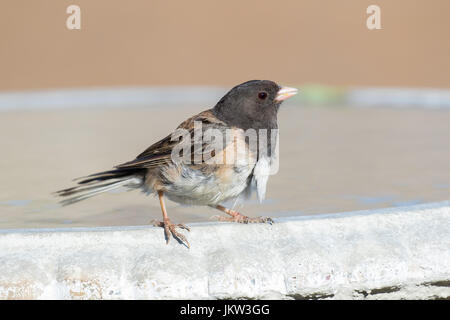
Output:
x=101 y=182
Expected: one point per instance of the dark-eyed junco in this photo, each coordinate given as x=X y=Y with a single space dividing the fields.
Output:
x=217 y=155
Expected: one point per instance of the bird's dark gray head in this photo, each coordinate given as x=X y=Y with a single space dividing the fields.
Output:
x=252 y=104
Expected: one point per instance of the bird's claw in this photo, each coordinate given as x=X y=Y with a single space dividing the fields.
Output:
x=169 y=230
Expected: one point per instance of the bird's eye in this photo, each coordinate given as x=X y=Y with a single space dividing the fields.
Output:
x=262 y=95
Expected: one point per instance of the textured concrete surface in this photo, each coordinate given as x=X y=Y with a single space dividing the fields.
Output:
x=378 y=254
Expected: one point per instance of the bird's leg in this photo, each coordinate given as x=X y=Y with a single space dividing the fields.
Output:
x=237 y=217
x=169 y=227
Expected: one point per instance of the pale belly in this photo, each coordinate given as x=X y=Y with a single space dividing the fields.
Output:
x=208 y=187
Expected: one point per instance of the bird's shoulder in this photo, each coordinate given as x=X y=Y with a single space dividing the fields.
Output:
x=206 y=117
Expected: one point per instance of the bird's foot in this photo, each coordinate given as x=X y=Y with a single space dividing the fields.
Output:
x=169 y=229
x=239 y=218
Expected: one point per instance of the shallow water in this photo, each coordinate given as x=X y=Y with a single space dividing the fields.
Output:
x=332 y=159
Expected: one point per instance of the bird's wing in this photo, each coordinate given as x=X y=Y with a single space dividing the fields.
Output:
x=160 y=152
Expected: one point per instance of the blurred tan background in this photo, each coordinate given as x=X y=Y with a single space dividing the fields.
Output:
x=156 y=42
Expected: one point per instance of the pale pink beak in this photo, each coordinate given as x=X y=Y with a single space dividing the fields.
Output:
x=285 y=92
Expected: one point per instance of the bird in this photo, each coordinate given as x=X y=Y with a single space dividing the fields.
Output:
x=221 y=154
